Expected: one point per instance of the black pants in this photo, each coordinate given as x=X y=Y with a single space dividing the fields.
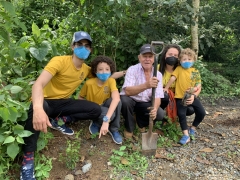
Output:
x=76 y=109
x=129 y=107
x=181 y=112
x=114 y=124
x=165 y=101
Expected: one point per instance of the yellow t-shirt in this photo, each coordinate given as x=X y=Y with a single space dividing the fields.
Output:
x=186 y=78
x=167 y=75
x=66 y=77
x=98 y=94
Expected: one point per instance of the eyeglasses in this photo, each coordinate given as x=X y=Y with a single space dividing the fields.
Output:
x=79 y=44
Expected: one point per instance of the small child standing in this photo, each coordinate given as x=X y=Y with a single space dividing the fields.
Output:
x=187 y=80
x=103 y=90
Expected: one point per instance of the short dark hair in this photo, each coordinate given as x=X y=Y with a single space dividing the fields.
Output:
x=163 y=56
x=100 y=59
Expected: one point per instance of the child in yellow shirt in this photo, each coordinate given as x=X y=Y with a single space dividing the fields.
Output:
x=187 y=77
x=103 y=90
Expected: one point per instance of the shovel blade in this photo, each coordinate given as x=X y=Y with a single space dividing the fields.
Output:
x=149 y=141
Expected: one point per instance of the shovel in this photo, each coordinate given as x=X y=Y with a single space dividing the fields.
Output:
x=149 y=139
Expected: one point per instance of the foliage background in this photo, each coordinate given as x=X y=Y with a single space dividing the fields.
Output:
x=33 y=31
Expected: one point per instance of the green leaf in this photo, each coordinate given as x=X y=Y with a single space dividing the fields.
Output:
x=9 y=139
x=20 y=140
x=2 y=96
x=13 y=150
x=122 y=148
x=8 y=7
x=13 y=113
x=15 y=89
x=35 y=30
x=25 y=133
x=17 y=129
x=24 y=96
x=2 y=138
x=41 y=52
x=139 y=41
x=40 y=144
x=4 y=113
x=4 y=34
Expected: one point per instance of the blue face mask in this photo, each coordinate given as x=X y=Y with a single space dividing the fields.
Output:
x=186 y=65
x=103 y=76
x=81 y=52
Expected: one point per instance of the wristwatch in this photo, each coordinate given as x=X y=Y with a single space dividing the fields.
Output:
x=105 y=119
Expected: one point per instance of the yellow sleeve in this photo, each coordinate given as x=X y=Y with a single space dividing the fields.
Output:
x=83 y=92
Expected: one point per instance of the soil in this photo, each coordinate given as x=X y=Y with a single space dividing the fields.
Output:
x=224 y=113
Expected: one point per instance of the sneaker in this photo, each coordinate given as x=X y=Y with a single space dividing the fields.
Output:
x=27 y=172
x=93 y=128
x=192 y=133
x=116 y=136
x=184 y=140
x=63 y=128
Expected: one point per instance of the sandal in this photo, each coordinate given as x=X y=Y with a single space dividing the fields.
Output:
x=184 y=140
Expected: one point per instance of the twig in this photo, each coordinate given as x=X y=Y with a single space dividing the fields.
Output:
x=208 y=124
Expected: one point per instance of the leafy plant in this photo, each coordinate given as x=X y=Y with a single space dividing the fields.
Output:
x=128 y=160
x=71 y=155
x=171 y=131
x=43 y=166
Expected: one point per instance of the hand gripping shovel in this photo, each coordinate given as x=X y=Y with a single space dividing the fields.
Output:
x=149 y=139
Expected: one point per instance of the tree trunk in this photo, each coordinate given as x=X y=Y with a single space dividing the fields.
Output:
x=194 y=26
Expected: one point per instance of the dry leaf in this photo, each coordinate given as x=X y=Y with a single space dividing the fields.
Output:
x=82 y=158
x=206 y=140
x=204 y=161
x=124 y=161
x=223 y=134
x=217 y=114
x=134 y=172
x=206 y=150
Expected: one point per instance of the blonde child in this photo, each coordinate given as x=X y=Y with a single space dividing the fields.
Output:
x=103 y=90
x=187 y=80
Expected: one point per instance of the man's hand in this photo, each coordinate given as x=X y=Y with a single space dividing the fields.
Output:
x=40 y=120
x=153 y=113
x=104 y=129
x=152 y=82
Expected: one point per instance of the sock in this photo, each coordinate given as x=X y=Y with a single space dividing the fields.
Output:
x=64 y=118
x=28 y=158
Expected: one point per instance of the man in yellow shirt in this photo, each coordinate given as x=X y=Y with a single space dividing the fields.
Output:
x=51 y=97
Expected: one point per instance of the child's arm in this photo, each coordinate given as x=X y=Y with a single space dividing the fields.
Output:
x=81 y=98
x=115 y=100
x=171 y=80
x=118 y=74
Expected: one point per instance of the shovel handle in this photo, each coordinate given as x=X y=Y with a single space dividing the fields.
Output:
x=154 y=44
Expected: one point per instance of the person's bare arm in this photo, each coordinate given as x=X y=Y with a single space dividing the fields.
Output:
x=134 y=90
x=40 y=118
x=115 y=100
x=118 y=74
x=153 y=112
x=171 y=80
x=195 y=94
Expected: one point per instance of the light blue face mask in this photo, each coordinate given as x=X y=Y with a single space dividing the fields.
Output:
x=103 y=76
x=81 y=52
x=186 y=65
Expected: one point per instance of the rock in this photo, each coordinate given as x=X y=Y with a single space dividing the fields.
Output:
x=78 y=172
x=86 y=167
x=69 y=177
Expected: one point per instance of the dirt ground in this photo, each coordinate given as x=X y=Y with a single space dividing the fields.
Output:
x=100 y=150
